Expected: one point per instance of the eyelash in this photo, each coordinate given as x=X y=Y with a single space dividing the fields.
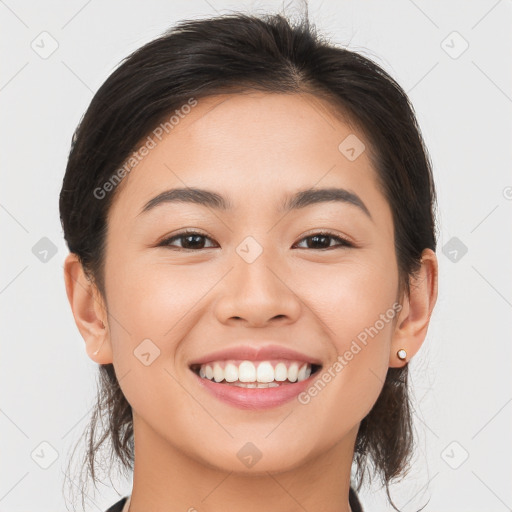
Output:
x=344 y=242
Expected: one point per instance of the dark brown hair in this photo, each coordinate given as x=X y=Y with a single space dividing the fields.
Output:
x=232 y=54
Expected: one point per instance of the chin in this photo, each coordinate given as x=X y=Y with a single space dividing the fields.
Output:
x=256 y=459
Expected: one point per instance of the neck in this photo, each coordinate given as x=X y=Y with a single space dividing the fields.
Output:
x=167 y=479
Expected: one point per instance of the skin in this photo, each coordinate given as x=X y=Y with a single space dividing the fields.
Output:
x=253 y=149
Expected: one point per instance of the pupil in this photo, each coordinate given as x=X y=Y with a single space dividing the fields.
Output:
x=194 y=244
x=320 y=237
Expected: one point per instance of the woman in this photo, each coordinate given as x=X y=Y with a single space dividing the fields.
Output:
x=250 y=217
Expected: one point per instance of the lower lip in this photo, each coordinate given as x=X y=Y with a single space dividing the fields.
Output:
x=255 y=398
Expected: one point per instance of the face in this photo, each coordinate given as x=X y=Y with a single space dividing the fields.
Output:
x=319 y=279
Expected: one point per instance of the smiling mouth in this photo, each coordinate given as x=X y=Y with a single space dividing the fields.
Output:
x=255 y=374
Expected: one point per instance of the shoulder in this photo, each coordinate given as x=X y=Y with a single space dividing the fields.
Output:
x=118 y=507
x=353 y=500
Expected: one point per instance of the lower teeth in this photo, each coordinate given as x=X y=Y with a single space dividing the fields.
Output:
x=254 y=384
x=251 y=384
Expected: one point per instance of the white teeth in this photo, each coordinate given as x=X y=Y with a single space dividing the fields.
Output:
x=231 y=373
x=293 y=372
x=254 y=385
x=280 y=372
x=265 y=372
x=251 y=375
x=246 y=372
x=218 y=373
x=302 y=373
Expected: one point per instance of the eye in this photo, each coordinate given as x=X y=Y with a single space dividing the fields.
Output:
x=193 y=240
x=323 y=239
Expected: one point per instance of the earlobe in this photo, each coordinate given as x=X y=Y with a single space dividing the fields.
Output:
x=413 y=321
x=88 y=310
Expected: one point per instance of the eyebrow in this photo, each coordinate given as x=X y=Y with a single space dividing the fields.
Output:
x=298 y=200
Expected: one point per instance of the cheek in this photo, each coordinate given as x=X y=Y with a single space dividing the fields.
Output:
x=351 y=295
x=355 y=305
x=153 y=306
x=154 y=300
x=356 y=308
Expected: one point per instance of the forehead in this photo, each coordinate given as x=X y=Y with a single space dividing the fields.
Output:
x=250 y=146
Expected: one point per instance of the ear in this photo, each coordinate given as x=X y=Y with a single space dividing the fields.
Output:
x=412 y=323
x=89 y=311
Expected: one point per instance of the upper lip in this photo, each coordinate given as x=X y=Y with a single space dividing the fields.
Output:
x=252 y=353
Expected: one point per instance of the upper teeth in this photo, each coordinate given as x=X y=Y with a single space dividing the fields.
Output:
x=247 y=371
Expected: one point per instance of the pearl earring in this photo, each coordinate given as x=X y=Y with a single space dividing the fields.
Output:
x=402 y=354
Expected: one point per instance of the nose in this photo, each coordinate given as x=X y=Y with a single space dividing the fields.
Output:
x=257 y=294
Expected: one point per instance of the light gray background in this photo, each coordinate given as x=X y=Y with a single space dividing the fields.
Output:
x=461 y=377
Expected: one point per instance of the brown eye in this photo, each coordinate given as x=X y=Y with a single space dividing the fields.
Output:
x=191 y=240
x=322 y=241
